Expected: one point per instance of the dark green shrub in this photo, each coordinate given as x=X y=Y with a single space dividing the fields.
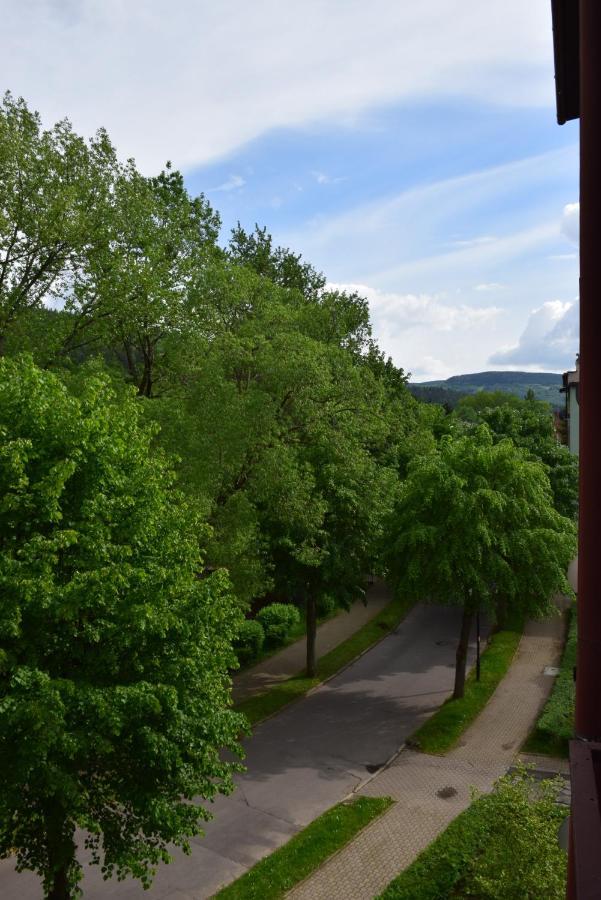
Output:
x=249 y=642
x=326 y=604
x=558 y=716
x=278 y=620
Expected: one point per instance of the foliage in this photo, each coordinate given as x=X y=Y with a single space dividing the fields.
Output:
x=503 y=846
x=529 y=424
x=474 y=521
x=274 y=876
x=444 y=396
x=114 y=691
x=277 y=620
x=249 y=641
x=326 y=605
x=443 y=729
x=54 y=195
x=555 y=726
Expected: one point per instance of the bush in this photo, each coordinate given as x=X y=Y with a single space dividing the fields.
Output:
x=326 y=604
x=249 y=642
x=278 y=620
x=505 y=845
x=558 y=714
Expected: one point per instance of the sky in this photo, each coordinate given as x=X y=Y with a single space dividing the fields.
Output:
x=409 y=151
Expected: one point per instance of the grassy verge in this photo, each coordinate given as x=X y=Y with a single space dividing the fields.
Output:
x=273 y=876
x=258 y=708
x=503 y=845
x=444 y=728
x=555 y=726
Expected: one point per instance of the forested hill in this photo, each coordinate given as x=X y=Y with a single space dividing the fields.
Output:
x=546 y=386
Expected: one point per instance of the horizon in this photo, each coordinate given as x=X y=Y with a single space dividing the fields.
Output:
x=489 y=372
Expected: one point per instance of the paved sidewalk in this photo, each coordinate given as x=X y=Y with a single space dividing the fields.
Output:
x=417 y=781
x=291 y=660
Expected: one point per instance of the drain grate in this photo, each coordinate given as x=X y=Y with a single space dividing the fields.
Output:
x=446 y=792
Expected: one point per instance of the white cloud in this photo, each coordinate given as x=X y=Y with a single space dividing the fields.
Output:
x=233 y=183
x=428 y=335
x=394 y=313
x=570 y=223
x=490 y=286
x=430 y=369
x=193 y=80
x=475 y=242
x=549 y=340
x=322 y=178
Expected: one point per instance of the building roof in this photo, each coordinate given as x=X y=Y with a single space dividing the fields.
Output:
x=566 y=47
x=572 y=377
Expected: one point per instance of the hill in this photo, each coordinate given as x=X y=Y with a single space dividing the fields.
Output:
x=546 y=385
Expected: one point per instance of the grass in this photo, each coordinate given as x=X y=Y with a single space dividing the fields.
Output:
x=555 y=725
x=273 y=876
x=475 y=855
x=438 y=868
x=263 y=705
x=445 y=727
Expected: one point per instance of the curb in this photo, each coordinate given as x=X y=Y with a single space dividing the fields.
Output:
x=335 y=674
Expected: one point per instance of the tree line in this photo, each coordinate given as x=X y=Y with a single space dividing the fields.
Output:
x=186 y=428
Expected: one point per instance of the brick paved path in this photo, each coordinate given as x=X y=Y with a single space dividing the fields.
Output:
x=416 y=780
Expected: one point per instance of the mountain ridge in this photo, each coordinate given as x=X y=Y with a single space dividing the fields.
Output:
x=545 y=385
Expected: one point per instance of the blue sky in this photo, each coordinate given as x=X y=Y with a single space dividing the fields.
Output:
x=409 y=150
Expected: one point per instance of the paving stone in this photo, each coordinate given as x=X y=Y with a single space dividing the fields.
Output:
x=430 y=791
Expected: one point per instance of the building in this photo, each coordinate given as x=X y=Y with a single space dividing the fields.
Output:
x=571 y=388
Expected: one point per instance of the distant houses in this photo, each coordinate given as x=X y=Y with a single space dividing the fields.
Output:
x=571 y=387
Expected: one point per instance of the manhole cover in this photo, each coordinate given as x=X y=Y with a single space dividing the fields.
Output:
x=551 y=670
x=374 y=768
x=443 y=643
x=446 y=792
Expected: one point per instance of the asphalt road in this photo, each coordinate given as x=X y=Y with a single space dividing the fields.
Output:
x=302 y=761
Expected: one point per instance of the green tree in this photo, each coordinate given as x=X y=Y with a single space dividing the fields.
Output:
x=529 y=424
x=114 y=692
x=476 y=518
x=54 y=196
x=148 y=287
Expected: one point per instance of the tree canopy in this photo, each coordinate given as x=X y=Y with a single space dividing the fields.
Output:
x=114 y=691
x=475 y=521
x=528 y=422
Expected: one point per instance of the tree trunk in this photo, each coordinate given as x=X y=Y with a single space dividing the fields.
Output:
x=461 y=656
x=501 y=611
x=60 y=885
x=61 y=854
x=311 y=607
x=145 y=386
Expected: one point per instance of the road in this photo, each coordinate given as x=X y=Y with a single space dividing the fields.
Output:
x=302 y=761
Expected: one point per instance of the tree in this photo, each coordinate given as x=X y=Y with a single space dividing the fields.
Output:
x=149 y=285
x=475 y=518
x=529 y=424
x=54 y=194
x=114 y=652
